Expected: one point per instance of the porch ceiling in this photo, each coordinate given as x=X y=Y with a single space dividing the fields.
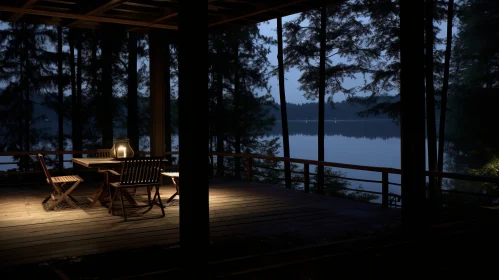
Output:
x=140 y=15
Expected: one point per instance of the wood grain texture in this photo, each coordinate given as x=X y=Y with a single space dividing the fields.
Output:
x=29 y=234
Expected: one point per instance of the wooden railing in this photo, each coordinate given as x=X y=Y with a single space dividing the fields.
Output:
x=385 y=172
x=250 y=158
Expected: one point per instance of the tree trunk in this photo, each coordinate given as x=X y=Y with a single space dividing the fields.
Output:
x=212 y=111
x=430 y=105
x=78 y=141
x=94 y=67
x=60 y=100
x=22 y=70
x=27 y=97
x=237 y=96
x=107 y=90
x=282 y=97
x=220 y=120
x=167 y=100
x=74 y=100
x=133 y=112
x=445 y=89
x=322 y=93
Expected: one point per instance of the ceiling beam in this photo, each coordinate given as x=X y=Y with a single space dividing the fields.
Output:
x=61 y=2
x=169 y=16
x=256 y=13
x=86 y=18
x=99 y=10
x=17 y=16
x=172 y=15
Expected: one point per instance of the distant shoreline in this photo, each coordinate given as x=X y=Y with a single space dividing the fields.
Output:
x=346 y=120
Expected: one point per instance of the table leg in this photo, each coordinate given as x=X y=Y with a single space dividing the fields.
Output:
x=103 y=193
x=172 y=197
x=95 y=199
x=176 y=192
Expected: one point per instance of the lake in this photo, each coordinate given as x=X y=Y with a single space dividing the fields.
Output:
x=362 y=142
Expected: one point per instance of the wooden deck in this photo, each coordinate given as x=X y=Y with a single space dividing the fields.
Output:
x=29 y=234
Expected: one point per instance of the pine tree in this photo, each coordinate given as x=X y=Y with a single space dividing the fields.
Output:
x=239 y=81
x=27 y=68
x=327 y=46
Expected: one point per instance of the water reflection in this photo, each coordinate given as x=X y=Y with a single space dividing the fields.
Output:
x=369 y=142
x=372 y=129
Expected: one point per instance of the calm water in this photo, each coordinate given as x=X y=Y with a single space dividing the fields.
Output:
x=366 y=142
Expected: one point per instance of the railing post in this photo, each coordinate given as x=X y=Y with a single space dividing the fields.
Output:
x=306 y=177
x=250 y=168
x=384 y=189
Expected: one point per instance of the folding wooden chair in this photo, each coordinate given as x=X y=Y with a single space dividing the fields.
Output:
x=59 y=184
x=135 y=173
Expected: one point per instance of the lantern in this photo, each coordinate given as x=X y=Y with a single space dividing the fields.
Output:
x=121 y=149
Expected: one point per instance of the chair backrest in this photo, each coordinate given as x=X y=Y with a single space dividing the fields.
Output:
x=104 y=153
x=142 y=171
x=44 y=167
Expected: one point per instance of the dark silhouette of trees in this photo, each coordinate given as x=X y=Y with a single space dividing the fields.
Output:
x=314 y=40
x=26 y=68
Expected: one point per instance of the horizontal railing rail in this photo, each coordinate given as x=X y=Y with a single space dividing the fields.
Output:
x=385 y=172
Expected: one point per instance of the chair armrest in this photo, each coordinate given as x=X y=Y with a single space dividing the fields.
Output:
x=113 y=172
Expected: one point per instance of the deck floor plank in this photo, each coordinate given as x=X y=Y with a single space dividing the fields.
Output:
x=30 y=234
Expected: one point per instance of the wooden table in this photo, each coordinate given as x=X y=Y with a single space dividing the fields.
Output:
x=100 y=163
x=99 y=197
x=175 y=176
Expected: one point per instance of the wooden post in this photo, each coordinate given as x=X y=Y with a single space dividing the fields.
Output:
x=412 y=117
x=193 y=136
x=157 y=53
x=306 y=177
x=250 y=169
x=384 y=189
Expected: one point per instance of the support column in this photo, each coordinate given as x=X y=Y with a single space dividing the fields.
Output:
x=412 y=118
x=167 y=94
x=133 y=106
x=157 y=54
x=193 y=135
x=107 y=89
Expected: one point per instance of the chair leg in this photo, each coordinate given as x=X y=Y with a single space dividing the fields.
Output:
x=160 y=202
x=47 y=199
x=151 y=201
x=111 y=210
x=149 y=193
x=65 y=198
x=72 y=198
x=122 y=204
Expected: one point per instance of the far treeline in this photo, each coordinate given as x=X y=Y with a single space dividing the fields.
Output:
x=343 y=110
